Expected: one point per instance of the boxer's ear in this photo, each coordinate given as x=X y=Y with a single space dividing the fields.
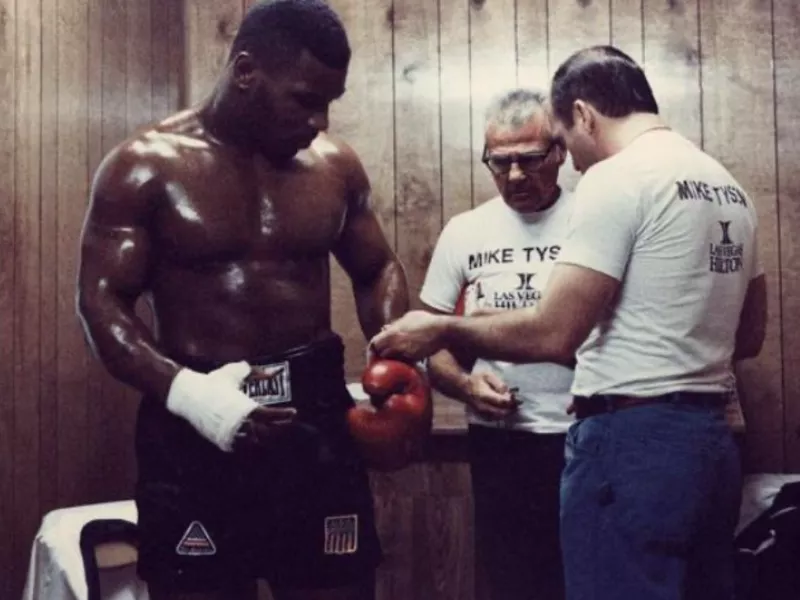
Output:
x=244 y=70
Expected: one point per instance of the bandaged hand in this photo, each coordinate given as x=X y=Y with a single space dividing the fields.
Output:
x=216 y=407
x=489 y=396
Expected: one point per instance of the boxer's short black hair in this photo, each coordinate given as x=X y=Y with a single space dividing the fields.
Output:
x=276 y=31
x=605 y=77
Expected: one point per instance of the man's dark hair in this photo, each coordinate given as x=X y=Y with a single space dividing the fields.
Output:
x=276 y=31
x=607 y=78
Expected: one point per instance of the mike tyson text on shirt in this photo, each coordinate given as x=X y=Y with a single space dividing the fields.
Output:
x=500 y=256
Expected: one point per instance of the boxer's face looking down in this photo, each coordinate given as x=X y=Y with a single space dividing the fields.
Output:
x=524 y=163
x=285 y=107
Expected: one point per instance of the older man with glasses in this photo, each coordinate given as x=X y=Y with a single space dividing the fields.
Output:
x=498 y=256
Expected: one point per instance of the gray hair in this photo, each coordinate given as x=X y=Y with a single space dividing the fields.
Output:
x=515 y=108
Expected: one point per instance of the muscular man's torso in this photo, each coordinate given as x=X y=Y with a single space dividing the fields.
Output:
x=239 y=263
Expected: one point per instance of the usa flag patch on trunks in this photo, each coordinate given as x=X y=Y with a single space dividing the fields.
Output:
x=341 y=534
x=269 y=384
x=196 y=542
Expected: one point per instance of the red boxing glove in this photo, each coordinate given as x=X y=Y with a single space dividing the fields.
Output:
x=391 y=431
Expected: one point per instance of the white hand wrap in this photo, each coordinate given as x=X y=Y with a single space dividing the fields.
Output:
x=212 y=403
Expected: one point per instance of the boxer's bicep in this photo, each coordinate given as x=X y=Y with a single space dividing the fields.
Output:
x=115 y=241
x=362 y=248
x=379 y=282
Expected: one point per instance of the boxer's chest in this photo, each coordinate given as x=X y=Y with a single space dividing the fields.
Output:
x=234 y=211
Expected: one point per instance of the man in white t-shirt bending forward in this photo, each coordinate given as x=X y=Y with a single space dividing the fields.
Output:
x=660 y=289
x=501 y=254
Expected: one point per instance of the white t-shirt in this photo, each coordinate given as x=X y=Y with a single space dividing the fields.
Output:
x=502 y=259
x=674 y=226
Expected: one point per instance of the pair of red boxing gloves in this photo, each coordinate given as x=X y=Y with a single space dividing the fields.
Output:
x=391 y=429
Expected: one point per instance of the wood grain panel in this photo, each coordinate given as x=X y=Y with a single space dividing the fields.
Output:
x=672 y=63
x=71 y=197
x=8 y=24
x=627 y=22
x=455 y=108
x=65 y=79
x=210 y=28
x=98 y=391
x=49 y=248
x=160 y=56
x=177 y=54
x=533 y=52
x=493 y=70
x=364 y=118
x=737 y=81
x=394 y=521
x=574 y=25
x=786 y=23
x=443 y=549
x=418 y=194
x=27 y=289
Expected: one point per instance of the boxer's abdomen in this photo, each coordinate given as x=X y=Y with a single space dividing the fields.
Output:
x=229 y=309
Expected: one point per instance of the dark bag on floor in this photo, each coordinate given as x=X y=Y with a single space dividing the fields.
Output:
x=768 y=551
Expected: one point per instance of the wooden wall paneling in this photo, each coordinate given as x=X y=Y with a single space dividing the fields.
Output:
x=455 y=108
x=418 y=197
x=456 y=145
x=533 y=45
x=72 y=190
x=394 y=494
x=8 y=24
x=626 y=27
x=672 y=63
x=49 y=249
x=139 y=64
x=739 y=130
x=364 y=118
x=394 y=520
x=166 y=56
x=572 y=26
x=27 y=307
x=493 y=70
x=418 y=193
x=786 y=24
x=176 y=32
x=210 y=28
x=160 y=56
x=101 y=43
x=444 y=564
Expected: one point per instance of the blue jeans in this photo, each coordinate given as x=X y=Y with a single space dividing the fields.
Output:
x=650 y=500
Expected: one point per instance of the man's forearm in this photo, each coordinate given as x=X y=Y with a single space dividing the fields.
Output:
x=383 y=299
x=124 y=345
x=448 y=376
x=519 y=336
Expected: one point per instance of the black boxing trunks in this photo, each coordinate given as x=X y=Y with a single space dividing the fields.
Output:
x=298 y=513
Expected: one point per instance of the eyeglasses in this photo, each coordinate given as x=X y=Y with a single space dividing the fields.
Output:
x=528 y=162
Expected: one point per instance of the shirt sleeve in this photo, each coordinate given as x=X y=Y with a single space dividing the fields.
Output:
x=445 y=276
x=603 y=225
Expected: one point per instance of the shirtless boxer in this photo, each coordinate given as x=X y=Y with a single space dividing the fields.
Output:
x=224 y=217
